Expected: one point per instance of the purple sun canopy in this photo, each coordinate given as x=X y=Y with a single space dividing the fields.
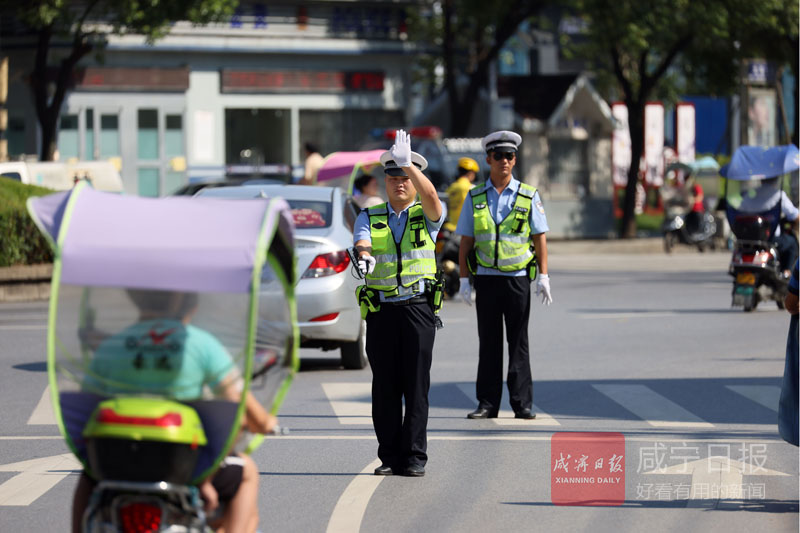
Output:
x=173 y=243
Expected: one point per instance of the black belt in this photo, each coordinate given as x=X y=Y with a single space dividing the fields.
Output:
x=421 y=299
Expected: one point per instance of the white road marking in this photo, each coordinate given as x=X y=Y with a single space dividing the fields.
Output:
x=43 y=414
x=352 y=504
x=505 y=417
x=352 y=402
x=641 y=314
x=715 y=478
x=37 y=477
x=652 y=407
x=766 y=395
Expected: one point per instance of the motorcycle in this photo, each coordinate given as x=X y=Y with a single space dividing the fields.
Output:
x=447 y=245
x=755 y=266
x=145 y=435
x=677 y=227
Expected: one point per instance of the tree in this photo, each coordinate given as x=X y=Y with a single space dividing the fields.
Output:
x=84 y=26
x=464 y=37
x=639 y=44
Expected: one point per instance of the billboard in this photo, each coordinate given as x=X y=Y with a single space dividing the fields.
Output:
x=620 y=145
x=685 y=132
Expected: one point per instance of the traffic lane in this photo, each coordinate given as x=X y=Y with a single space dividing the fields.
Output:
x=491 y=485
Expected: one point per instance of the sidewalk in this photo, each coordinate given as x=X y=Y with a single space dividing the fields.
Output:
x=645 y=245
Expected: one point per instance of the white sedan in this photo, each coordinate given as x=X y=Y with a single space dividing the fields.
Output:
x=327 y=312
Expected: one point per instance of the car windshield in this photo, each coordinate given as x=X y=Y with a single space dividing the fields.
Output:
x=310 y=214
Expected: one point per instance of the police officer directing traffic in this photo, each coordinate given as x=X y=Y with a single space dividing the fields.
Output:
x=395 y=243
x=499 y=221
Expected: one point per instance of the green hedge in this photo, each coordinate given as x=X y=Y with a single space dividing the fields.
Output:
x=21 y=242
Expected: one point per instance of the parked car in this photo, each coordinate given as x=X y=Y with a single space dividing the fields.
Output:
x=327 y=312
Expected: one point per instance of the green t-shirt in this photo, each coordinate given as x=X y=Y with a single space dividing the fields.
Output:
x=164 y=357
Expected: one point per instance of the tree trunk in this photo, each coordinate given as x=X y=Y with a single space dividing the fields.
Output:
x=636 y=129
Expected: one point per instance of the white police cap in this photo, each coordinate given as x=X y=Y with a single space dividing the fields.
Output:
x=508 y=140
x=393 y=169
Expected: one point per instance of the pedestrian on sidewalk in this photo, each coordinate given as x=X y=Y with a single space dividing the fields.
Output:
x=503 y=223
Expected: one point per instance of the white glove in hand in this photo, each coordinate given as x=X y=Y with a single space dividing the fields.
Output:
x=543 y=286
x=366 y=264
x=401 y=150
x=465 y=290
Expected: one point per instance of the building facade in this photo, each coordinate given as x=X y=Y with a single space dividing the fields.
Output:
x=203 y=101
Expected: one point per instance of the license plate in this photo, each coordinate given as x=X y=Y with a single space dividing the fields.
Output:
x=746 y=278
x=744 y=289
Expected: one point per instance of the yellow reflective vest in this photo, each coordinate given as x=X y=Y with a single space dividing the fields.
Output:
x=403 y=263
x=505 y=246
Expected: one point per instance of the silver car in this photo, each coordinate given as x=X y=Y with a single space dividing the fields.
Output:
x=327 y=312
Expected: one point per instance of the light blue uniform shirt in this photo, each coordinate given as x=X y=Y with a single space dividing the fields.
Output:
x=499 y=206
x=397 y=223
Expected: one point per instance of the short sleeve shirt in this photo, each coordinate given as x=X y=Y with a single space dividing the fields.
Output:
x=500 y=206
x=164 y=357
x=397 y=223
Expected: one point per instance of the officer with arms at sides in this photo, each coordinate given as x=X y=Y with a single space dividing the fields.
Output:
x=395 y=243
x=510 y=212
x=457 y=192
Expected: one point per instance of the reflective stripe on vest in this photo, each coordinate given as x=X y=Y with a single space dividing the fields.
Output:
x=505 y=247
x=416 y=249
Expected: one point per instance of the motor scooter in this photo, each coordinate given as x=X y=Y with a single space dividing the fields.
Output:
x=137 y=311
x=447 y=246
x=754 y=211
x=675 y=228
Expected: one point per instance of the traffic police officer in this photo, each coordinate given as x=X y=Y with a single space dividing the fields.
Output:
x=500 y=220
x=395 y=243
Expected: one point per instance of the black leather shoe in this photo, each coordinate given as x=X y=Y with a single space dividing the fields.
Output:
x=525 y=414
x=414 y=471
x=384 y=470
x=482 y=412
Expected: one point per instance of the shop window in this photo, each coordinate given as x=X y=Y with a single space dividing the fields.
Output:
x=173 y=136
x=147 y=179
x=89 y=137
x=68 y=137
x=147 y=134
x=16 y=136
x=109 y=136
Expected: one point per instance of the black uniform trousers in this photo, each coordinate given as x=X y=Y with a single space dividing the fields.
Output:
x=400 y=350
x=499 y=298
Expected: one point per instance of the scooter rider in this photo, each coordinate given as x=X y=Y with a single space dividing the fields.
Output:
x=766 y=197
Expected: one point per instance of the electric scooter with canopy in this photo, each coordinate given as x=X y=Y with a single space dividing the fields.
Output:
x=165 y=315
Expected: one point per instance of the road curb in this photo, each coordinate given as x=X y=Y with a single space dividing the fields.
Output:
x=25 y=283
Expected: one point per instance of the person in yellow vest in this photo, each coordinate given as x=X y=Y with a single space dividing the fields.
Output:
x=395 y=243
x=457 y=192
x=500 y=221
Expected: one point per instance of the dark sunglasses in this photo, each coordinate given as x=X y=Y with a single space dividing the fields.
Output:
x=498 y=156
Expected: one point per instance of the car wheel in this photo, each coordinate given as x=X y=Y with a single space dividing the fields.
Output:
x=354 y=354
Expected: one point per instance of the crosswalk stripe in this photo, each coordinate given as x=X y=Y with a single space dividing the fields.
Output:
x=352 y=402
x=505 y=417
x=652 y=407
x=766 y=395
x=43 y=414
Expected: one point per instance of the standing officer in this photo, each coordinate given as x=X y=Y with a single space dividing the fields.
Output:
x=395 y=243
x=501 y=220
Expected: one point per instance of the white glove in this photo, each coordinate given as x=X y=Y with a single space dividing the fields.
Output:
x=366 y=264
x=543 y=286
x=465 y=290
x=401 y=149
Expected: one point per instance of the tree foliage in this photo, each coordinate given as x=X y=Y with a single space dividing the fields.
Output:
x=462 y=38
x=84 y=27
x=648 y=47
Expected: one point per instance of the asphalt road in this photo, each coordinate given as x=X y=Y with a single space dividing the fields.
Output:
x=642 y=353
